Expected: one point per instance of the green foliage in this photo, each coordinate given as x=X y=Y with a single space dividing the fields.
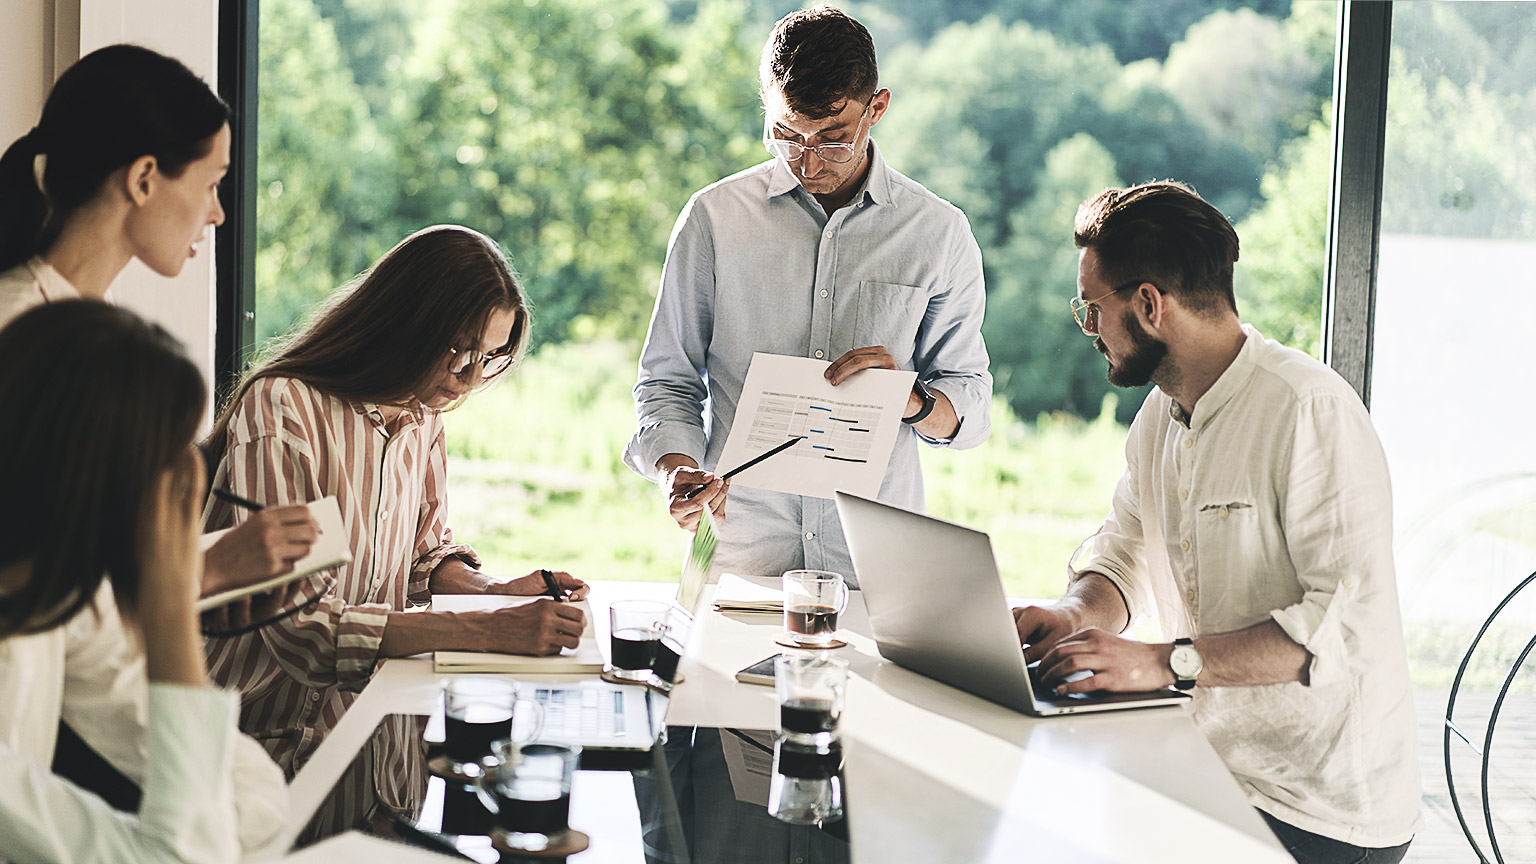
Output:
x=571 y=132
x=1475 y=177
x=1280 y=275
x=1019 y=159
x=1238 y=75
x=317 y=157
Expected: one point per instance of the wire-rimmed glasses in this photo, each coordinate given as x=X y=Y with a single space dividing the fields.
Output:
x=460 y=360
x=1086 y=312
x=835 y=152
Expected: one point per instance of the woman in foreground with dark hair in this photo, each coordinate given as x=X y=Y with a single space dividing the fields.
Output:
x=351 y=406
x=99 y=546
x=133 y=147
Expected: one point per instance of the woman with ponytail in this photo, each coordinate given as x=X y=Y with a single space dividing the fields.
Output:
x=131 y=146
x=124 y=163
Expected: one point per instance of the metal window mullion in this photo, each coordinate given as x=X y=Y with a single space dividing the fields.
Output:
x=235 y=240
x=1354 y=212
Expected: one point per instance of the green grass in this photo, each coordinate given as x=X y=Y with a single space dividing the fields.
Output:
x=537 y=479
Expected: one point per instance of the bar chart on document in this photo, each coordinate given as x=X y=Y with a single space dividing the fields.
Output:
x=840 y=431
x=846 y=432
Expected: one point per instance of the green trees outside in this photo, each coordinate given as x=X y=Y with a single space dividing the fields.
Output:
x=572 y=131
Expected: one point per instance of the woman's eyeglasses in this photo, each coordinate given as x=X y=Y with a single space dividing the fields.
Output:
x=461 y=360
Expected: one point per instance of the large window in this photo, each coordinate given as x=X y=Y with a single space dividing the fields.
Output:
x=572 y=131
x=1454 y=310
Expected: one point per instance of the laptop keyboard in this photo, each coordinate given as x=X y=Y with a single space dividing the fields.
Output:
x=1049 y=692
x=581 y=713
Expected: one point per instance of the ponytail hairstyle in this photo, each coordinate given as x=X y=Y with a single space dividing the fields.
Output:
x=385 y=336
x=116 y=105
x=95 y=405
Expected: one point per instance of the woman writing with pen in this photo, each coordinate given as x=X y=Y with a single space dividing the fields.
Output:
x=351 y=406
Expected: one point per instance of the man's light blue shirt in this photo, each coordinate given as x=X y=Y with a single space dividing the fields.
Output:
x=755 y=264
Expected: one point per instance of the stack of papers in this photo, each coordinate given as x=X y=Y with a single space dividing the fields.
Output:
x=736 y=594
x=586 y=658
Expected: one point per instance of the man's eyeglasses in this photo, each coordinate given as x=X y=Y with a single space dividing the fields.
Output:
x=789 y=151
x=1086 y=312
x=836 y=153
x=461 y=360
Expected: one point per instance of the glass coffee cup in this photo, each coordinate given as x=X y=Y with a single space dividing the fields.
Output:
x=810 y=690
x=480 y=711
x=530 y=786
x=635 y=628
x=813 y=601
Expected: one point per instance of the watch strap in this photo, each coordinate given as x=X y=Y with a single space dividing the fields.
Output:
x=929 y=400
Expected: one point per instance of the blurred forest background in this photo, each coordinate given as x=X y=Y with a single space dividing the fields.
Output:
x=572 y=131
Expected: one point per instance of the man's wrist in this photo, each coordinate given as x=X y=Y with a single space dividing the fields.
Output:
x=925 y=402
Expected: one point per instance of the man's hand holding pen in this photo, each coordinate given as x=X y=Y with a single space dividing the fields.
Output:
x=680 y=476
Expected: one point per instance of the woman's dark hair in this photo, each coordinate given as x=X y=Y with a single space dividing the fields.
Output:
x=1165 y=233
x=95 y=403
x=116 y=105
x=385 y=336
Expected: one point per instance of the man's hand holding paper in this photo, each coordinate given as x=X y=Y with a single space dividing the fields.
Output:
x=848 y=422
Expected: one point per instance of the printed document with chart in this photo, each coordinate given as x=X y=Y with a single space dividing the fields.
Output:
x=847 y=432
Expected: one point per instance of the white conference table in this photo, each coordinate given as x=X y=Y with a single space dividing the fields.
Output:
x=933 y=773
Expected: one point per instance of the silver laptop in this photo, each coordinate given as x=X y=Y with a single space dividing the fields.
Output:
x=936 y=606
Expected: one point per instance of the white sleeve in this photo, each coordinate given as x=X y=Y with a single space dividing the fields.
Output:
x=187 y=814
x=105 y=689
x=105 y=685
x=261 y=794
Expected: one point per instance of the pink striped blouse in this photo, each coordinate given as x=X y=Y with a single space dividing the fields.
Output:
x=290 y=443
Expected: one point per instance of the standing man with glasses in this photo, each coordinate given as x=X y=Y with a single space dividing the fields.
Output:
x=821 y=252
x=1255 y=520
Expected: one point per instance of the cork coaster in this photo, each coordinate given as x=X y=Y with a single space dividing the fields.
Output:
x=561 y=845
x=788 y=641
x=442 y=766
x=607 y=675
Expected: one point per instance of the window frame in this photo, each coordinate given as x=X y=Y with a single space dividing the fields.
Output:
x=234 y=321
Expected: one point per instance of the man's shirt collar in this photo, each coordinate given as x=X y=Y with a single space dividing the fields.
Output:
x=877 y=183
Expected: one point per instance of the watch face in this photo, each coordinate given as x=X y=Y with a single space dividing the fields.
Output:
x=1185 y=661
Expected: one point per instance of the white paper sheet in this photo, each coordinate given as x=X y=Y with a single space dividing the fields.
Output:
x=848 y=431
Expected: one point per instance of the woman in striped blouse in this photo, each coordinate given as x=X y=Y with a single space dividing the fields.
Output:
x=351 y=406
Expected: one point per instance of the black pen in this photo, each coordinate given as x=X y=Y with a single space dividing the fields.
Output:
x=226 y=495
x=744 y=466
x=551 y=586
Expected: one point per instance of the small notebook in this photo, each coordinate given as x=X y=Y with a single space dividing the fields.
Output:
x=585 y=658
x=330 y=550
x=736 y=594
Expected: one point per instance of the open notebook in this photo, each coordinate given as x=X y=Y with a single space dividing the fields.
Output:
x=736 y=594
x=330 y=550
x=585 y=658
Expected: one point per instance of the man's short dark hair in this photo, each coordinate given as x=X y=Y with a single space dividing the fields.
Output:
x=1166 y=234
x=817 y=58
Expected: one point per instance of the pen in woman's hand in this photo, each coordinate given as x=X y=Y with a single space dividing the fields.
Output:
x=551 y=586
x=226 y=495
